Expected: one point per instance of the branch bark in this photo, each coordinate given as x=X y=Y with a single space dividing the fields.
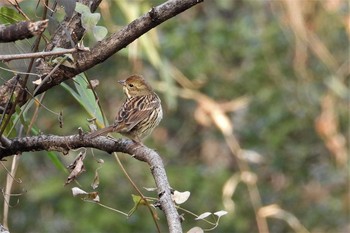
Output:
x=22 y=30
x=10 y=57
x=65 y=143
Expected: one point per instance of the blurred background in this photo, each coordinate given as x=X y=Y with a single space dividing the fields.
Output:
x=256 y=123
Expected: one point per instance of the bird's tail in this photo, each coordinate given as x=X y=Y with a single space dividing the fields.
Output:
x=100 y=132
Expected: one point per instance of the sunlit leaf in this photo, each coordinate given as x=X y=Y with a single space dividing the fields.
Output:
x=38 y=81
x=78 y=192
x=150 y=189
x=136 y=198
x=203 y=216
x=195 y=230
x=92 y=196
x=181 y=197
x=220 y=213
x=137 y=201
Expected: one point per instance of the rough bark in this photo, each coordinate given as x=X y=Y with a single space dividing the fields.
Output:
x=22 y=30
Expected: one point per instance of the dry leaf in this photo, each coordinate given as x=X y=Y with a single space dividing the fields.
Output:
x=203 y=216
x=96 y=181
x=76 y=168
x=220 y=213
x=37 y=82
x=181 y=197
x=94 y=84
x=195 y=230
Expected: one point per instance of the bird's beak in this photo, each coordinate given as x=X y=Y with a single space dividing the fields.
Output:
x=121 y=82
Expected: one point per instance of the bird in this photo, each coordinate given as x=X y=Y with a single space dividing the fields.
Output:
x=140 y=113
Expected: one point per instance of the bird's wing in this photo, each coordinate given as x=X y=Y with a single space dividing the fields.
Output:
x=134 y=111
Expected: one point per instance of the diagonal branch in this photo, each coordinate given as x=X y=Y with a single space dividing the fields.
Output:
x=117 y=41
x=65 y=143
x=104 y=49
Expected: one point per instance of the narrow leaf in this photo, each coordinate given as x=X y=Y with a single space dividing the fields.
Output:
x=81 y=8
x=220 y=213
x=96 y=181
x=78 y=192
x=203 y=216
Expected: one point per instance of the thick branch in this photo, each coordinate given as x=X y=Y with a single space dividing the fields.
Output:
x=65 y=143
x=131 y=32
x=22 y=30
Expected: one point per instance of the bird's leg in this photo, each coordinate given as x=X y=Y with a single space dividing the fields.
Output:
x=137 y=141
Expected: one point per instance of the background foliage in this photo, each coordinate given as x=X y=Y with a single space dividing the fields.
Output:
x=278 y=70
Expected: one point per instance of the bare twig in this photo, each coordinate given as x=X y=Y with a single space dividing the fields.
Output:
x=22 y=30
x=5 y=58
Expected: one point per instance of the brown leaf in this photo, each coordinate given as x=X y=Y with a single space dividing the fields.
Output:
x=94 y=84
x=76 y=168
x=96 y=181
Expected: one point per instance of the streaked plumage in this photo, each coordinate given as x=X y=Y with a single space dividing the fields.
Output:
x=140 y=113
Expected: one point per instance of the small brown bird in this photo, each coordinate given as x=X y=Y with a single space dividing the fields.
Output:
x=140 y=113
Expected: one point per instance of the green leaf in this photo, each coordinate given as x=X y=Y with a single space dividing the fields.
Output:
x=9 y=16
x=136 y=199
x=55 y=161
x=81 y=8
x=99 y=32
x=85 y=97
x=89 y=20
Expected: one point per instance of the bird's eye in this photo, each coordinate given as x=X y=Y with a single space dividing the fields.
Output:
x=131 y=85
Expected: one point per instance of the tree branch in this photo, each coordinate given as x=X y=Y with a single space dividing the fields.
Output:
x=117 y=41
x=22 y=30
x=65 y=143
x=103 y=50
x=6 y=58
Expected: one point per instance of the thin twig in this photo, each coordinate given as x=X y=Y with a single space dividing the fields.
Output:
x=137 y=190
x=6 y=58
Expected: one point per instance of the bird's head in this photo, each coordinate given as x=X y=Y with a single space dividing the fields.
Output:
x=135 y=86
